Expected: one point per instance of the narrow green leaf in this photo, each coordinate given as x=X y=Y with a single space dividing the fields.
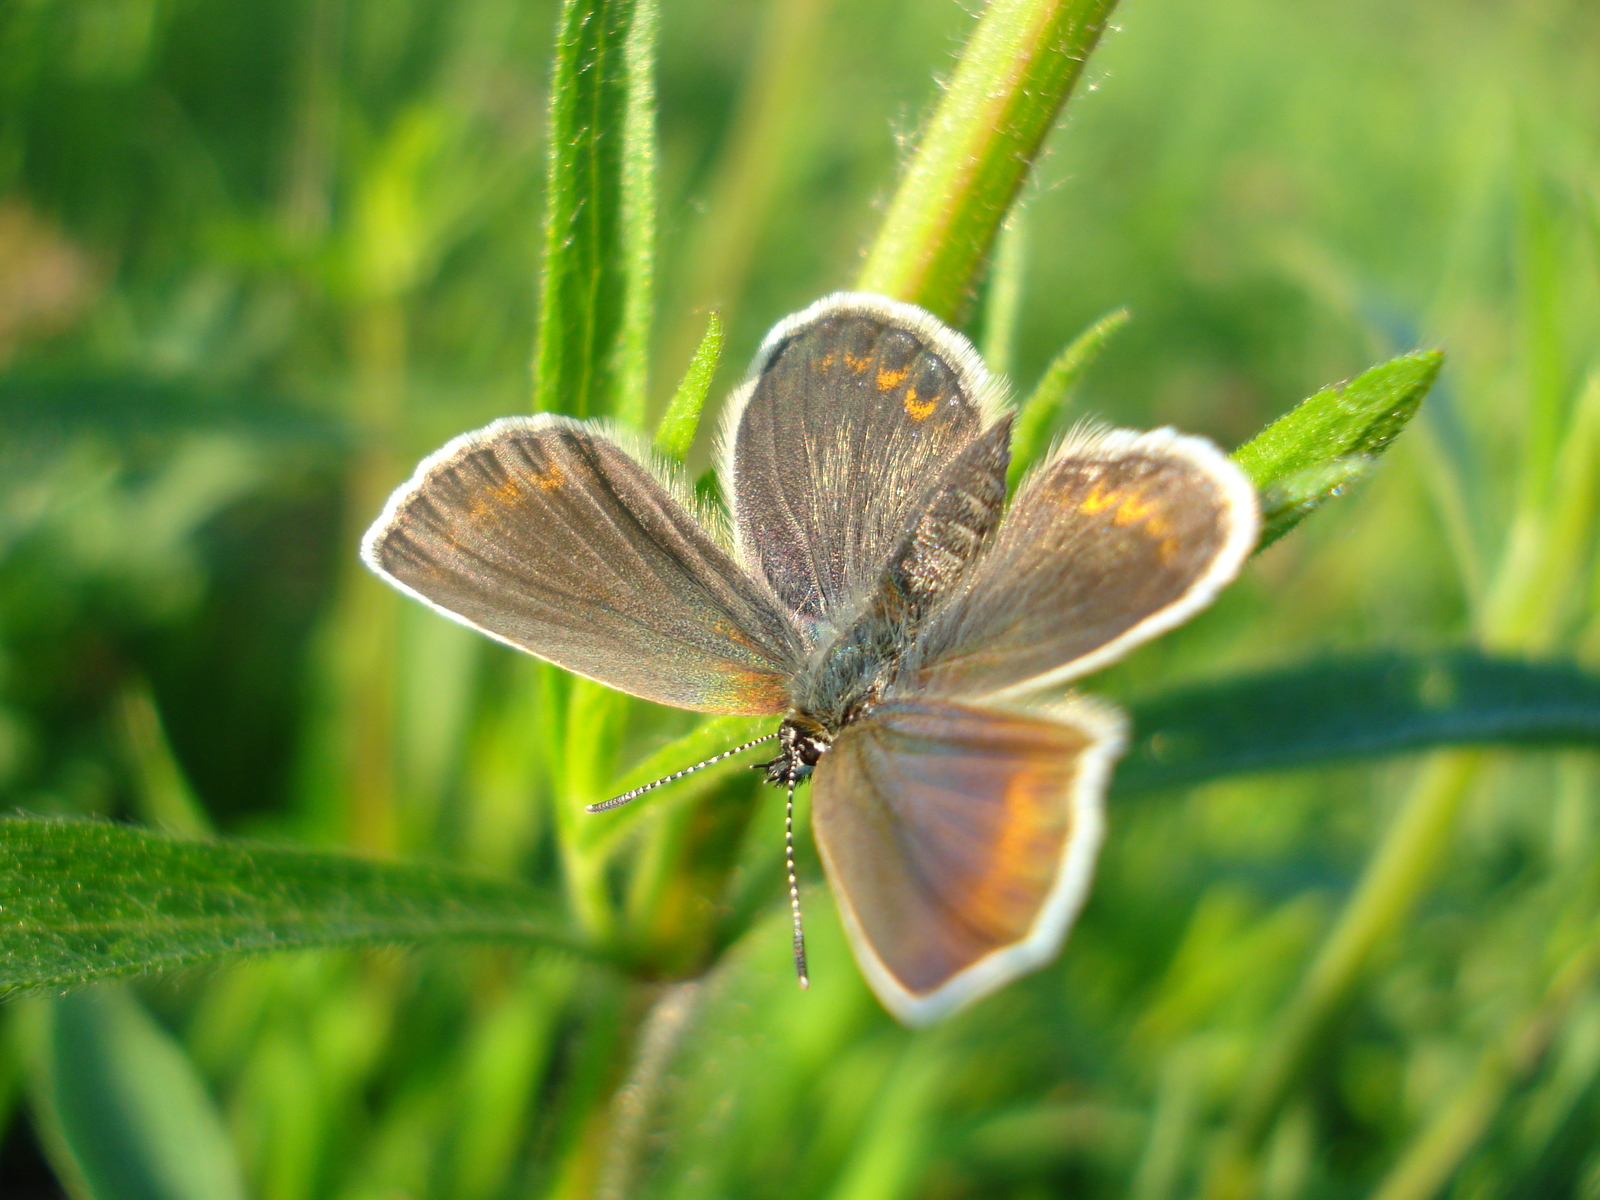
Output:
x=1014 y=75
x=595 y=254
x=164 y=797
x=1002 y=304
x=679 y=423
x=1356 y=708
x=600 y=831
x=1354 y=422
x=84 y=900
x=1040 y=411
x=124 y=1112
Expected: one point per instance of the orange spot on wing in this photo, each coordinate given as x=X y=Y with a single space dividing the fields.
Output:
x=1004 y=898
x=1133 y=508
x=509 y=492
x=917 y=409
x=549 y=479
x=856 y=362
x=827 y=360
x=891 y=379
x=1098 y=501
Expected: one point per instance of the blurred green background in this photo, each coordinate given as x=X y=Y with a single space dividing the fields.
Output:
x=257 y=259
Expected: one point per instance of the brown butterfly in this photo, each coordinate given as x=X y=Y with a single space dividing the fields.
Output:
x=877 y=593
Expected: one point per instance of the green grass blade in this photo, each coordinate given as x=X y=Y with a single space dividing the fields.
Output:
x=592 y=247
x=86 y=900
x=1002 y=304
x=1040 y=411
x=1310 y=455
x=680 y=422
x=124 y=1113
x=1355 y=709
x=1014 y=75
x=638 y=217
x=602 y=831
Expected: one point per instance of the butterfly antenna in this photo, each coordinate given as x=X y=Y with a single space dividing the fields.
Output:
x=619 y=801
x=794 y=886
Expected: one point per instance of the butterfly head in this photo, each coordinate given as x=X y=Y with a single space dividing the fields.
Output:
x=802 y=742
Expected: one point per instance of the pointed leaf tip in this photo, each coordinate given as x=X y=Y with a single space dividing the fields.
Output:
x=1326 y=443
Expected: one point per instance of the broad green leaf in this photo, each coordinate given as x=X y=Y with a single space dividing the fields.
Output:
x=1308 y=456
x=1039 y=412
x=1014 y=75
x=679 y=423
x=84 y=900
x=1355 y=709
x=124 y=1113
x=594 y=320
x=122 y=403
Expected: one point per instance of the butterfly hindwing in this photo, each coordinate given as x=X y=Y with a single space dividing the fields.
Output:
x=856 y=406
x=1117 y=538
x=959 y=840
x=544 y=534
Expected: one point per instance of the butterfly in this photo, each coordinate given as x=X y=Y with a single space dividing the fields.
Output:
x=877 y=593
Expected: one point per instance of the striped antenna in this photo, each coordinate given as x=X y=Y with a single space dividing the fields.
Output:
x=794 y=884
x=619 y=801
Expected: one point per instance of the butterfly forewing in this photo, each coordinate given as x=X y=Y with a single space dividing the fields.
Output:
x=544 y=534
x=1119 y=537
x=856 y=406
x=959 y=840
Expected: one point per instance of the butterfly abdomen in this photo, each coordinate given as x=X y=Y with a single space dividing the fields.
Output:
x=952 y=525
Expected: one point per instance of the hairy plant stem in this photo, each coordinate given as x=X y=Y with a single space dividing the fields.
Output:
x=1016 y=72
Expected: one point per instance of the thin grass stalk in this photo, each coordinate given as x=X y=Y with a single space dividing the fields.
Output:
x=638 y=214
x=366 y=613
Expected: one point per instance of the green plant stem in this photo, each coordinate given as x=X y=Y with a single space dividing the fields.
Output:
x=366 y=612
x=1404 y=864
x=592 y=316
x=1545 y=551
x=1016 y=72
